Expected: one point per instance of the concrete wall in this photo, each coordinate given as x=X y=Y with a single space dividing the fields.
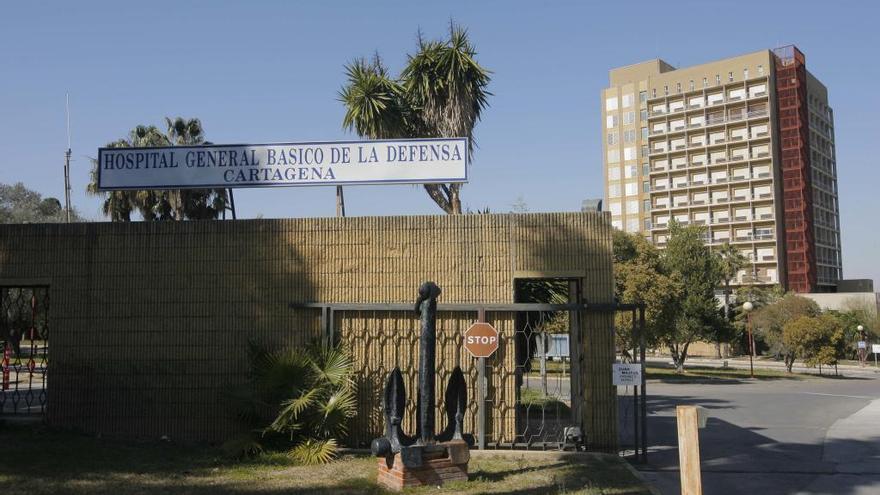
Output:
x=149 y=321
x=843 y=301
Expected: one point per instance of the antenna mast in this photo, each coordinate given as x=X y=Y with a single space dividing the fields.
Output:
x=67 y=162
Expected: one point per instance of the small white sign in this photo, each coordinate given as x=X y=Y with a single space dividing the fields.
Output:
x=863 y=344
x=875 y=348
x=627 y=374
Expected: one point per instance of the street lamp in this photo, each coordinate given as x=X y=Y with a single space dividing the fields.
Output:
x=863 y=351
x=748 y=307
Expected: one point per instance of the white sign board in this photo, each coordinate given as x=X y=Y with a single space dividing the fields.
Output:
x=402 y=161
x=627 y=374
x=875 y=348
x=862 y=344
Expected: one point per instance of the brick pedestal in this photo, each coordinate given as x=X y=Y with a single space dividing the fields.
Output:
x=438 y=468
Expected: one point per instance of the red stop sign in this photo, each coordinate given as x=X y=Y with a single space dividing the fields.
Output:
x=481 y=340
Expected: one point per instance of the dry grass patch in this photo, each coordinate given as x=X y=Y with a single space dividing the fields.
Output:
x=39 y=461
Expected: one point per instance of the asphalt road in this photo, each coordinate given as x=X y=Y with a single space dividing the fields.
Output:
x=780 y=436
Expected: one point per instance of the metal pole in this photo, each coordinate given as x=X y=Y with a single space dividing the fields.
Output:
x=751 y=346
x=636 y=408
x=644 y=403
x=67 y=183
x=232 y=203
x=340 y=202
x=481 y=392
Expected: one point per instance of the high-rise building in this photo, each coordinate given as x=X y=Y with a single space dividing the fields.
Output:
x=743 y=146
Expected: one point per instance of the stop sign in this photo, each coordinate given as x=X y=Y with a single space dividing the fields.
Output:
x=481 y=340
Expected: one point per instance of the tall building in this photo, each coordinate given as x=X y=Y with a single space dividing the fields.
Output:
x=744 y=146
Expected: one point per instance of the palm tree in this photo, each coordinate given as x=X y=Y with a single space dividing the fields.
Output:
x=731 y=262
x=440 y=93
x=161 y=204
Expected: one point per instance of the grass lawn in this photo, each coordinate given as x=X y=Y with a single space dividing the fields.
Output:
x=39 y=461
x=667 y=373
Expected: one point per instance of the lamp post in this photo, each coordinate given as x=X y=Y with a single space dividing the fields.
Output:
x=748 y=307
x=863 y=351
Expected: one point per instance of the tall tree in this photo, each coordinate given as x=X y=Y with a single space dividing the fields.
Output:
x=699 y=268
x=731 y=262
x=161 y=204
x=441 y=92
x=18 y=204
x=640 y=278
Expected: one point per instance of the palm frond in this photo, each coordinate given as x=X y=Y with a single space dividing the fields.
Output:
x=311 y=452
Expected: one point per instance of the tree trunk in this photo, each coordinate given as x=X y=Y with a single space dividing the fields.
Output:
x=679 y=356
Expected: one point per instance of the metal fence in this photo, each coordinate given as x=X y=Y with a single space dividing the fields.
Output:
x=24 y=337
x=528 y=395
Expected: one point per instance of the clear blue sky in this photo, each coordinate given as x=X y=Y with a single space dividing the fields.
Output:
x=270 y=72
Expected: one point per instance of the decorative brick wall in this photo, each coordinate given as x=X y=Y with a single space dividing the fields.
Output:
x=149 y=320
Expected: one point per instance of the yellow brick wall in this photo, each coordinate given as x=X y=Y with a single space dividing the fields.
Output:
x=149 y=321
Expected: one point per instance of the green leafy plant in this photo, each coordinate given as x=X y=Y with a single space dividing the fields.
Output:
x=299 y=400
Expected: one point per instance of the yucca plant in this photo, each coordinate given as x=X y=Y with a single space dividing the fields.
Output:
x=300 y=400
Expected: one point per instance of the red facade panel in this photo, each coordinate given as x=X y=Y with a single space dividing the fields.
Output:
x=793 y=125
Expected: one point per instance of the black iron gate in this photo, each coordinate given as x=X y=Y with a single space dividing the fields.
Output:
x=24 y=338
x=532 y=405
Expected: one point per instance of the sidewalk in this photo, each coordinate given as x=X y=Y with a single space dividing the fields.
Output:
x=770 y=364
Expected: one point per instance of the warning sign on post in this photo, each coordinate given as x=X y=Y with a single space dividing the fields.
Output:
x=627 y=374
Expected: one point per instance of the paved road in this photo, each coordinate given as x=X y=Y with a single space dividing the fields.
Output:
x=784 y=436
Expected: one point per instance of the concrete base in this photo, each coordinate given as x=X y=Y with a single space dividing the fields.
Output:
x=438 y=467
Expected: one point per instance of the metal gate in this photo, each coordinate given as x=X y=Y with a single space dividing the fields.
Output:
x=525 y=396
x=24 y=337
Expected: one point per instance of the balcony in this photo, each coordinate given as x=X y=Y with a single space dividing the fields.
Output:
x=713 y=142
x=740 y=198
x=762 y=154
x=764 y=195
x=743 y=238
x=698 y=202
x=721 y=220
x=697 y=182
x=741 y=218
x=719 y=180
x=768 y=258
x=759 y=135
x=763 y=237
x=699 y=222
x=766 y=216
x=759 y=94
x=740 y=177
x=762 y=175
x=719 y=200
x=659 y=187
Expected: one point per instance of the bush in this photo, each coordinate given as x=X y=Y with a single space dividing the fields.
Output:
x=297 y=400
x=815 y=339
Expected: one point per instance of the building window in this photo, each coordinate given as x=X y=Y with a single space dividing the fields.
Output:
x=610 y=121
x=614 y=173
x=678 y=87
x=705 y=82
x=730 y=77
x=717 y=79
x=646 y=186
x=629 y=136
x=646 y=205
x=653 y=92
x=644 y=133
x=643 y=96
x=614 y=191
x=629 y=171
x=666 y=90
x=643 y=115
x=627 y=100
x=629 y=153
x=612 y=138
x=646 y=169
x=647 y=224
x=644 y=151
x=692 y=84
x=629 y=118
x=611 y=103
x=746 y=73
x=613 y=156
x=632 y=225
x=760 y=70
x=631 y=189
